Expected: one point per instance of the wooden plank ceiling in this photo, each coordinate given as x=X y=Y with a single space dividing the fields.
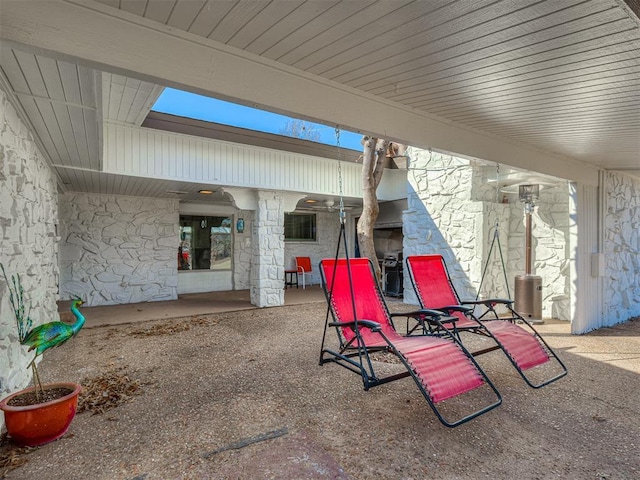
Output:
x=560 y=76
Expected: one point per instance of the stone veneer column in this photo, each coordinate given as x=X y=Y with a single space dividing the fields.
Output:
x=621 y=247
x=28 y=241
x=267 y=270
x=118 y=249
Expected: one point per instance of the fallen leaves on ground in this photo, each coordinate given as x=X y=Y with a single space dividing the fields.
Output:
x=11 y=456
x=107 y=390
x=171 y=327
x=385 y=357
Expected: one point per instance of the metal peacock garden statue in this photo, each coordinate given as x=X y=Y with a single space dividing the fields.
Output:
x=42 y=337
x=41 y=414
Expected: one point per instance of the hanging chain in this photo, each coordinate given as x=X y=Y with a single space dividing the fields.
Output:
x=495 y=239
x=497 y=194
x=497 y=182
x=342 y=212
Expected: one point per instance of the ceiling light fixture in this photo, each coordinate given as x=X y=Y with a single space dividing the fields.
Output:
x=205 y=192
x=310 y=200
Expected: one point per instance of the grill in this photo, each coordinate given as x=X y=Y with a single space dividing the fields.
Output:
x=392 y=273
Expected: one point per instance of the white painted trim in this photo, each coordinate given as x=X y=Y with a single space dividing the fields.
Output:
x=290 y=201
x=243 y=199
x=142 y=114
x=206 y=209
x=84 y=32
x=56 y=101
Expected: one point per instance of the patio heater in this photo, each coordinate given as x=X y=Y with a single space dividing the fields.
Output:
x=528 y=287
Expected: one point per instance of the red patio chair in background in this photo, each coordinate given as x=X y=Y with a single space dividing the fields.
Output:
x=303 y=265
x=522 y=345
x=440 y=366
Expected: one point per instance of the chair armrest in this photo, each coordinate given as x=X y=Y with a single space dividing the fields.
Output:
x=488 y=301
x=432 y=316
x=441 y=320
x=419 y=313
x=455 y=308
x=374 y=326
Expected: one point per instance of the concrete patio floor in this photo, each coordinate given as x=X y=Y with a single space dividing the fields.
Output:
x=584 y=426
x=185 y=305
x=612 y=350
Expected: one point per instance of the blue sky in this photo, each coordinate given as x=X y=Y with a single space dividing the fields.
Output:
x=190 y=105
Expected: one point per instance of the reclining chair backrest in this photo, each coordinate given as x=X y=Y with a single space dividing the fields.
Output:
x=368 y=298
x=431 y=281
x=430 y=270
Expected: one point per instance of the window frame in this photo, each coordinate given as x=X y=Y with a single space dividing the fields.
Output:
x=190 y=254
x=313 y=228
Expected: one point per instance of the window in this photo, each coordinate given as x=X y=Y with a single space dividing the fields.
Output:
x=300 y=226
x=205 y=243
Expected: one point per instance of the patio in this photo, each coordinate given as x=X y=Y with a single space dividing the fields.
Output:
x=186 y=305
x=542 y=86
x=211 y=394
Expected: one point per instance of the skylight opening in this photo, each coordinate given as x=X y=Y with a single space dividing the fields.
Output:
x=190 y=105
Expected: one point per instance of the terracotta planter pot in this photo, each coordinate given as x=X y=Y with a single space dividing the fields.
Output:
x=38 y=424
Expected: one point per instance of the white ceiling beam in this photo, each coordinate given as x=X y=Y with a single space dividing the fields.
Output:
x=101 y=37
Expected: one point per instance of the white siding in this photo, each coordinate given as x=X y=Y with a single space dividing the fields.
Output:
x=163 y=155
x=587 y=289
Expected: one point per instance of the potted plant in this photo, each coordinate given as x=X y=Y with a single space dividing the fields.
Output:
x=42 y=413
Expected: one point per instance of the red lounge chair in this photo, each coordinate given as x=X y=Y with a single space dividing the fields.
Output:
x=438 y=363
x=524 y=347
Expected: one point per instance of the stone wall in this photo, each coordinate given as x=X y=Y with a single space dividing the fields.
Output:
x=443 y=217
x=28 y=218
x=622 y=248
x=118 y=249
x=453 y=209
x=327 y=230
